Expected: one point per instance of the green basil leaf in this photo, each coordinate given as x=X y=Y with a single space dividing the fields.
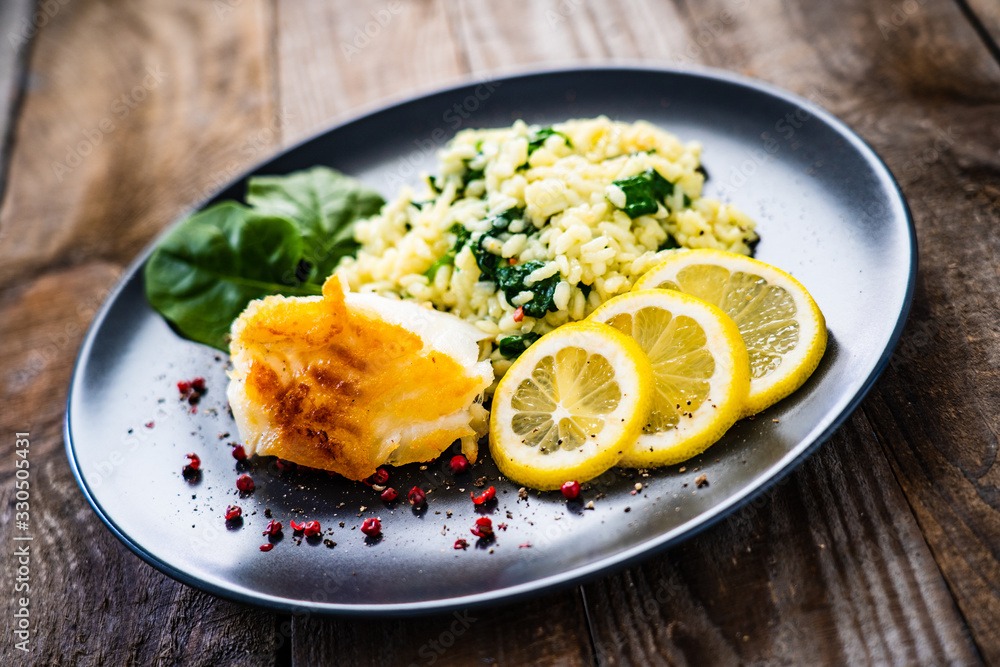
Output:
x=206 y=271
x=324 y=204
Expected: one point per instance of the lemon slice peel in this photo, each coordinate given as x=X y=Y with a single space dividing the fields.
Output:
x=570 y=406
x=705 y=392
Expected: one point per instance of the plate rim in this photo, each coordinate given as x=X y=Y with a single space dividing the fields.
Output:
x=600 y=567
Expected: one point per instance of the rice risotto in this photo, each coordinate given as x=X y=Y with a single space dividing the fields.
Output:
x=528 y=228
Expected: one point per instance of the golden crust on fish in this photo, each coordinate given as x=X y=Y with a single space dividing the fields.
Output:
x=350 y=382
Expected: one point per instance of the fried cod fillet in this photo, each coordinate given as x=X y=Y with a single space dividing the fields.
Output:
x=347 y=382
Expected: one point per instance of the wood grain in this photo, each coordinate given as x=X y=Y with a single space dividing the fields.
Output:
x=93 y=601
x=934 y=411
x=550 y=630
x=883 y=548
x=987 y=14
x=551 y=33
x=828 y=565
x=67 y=238
x=176 y=104
x=335 y=57
x=17 y=27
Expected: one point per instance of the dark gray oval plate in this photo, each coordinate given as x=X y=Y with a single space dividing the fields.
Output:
x=828 y=211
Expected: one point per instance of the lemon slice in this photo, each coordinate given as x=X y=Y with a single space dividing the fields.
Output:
x=782 y=327
x=700 y=367
x=570 y=406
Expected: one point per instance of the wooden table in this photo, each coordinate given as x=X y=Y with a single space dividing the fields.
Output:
x=881 y=548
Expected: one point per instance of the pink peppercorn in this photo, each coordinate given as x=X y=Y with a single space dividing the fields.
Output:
x=416 y=496
x=311 y=529
x=233 y=512
x=389 y=495
x=570 y=489
x=459 y=464
x=380 y=477
x=245 y=483
x=371 y=527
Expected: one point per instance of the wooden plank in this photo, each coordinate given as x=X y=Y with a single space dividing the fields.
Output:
x=130 y=135
x=828 y=568
x=550 y=630
x=563 y=32
x=18 y=26
x=987 y=14
x=334 y=57
x=184 y=87
x=930 y=411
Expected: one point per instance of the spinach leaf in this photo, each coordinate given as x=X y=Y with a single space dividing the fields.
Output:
x=501 y=221
x=462 y=236
x=488 y=262
x=537 y=139
x=511 y=347
x=206 y=271
x=511 y=280
x=447 y=259
x=324 y=204
x=669 y=243
x=472 y=175
x=544 y=301
x=468 y=176
x=494 y=268
x=643 y=192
